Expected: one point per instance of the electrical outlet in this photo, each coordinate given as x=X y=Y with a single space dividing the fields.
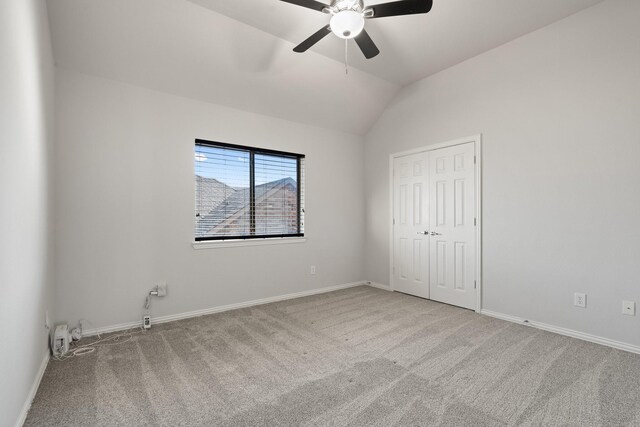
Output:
x=580 y=300
x=47 y=320
x=629 y=308
x=313 y=270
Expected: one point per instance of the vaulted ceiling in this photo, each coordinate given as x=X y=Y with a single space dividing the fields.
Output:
x=238 y=53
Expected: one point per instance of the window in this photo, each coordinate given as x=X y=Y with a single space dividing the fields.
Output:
x=247 y=193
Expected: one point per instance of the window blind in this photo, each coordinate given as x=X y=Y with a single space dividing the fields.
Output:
x=246 y=192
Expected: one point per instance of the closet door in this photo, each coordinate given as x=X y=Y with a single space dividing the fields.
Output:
x=410 y=225
x=452 y=245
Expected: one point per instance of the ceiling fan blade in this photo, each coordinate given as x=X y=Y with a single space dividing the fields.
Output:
x=403 y=7
x=311 y=4
x=366 y=45
x=315 y=38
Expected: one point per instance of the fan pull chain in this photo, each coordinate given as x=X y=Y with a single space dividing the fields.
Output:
x=346 y=47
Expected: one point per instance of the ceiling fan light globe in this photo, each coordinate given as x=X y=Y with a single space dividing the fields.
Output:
x=347 y=24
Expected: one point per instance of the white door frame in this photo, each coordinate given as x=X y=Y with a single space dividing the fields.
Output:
x=477 y=143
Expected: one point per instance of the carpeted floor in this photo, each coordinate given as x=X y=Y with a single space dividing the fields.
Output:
x=355 y=357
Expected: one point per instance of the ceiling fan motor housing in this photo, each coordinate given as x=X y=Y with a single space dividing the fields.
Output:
x=340 y=5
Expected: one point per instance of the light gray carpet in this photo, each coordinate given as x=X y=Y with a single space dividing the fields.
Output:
x=355 y=357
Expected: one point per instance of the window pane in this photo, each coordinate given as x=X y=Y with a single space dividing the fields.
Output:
x=244 y=192
x=222 y=192
x=276 y=180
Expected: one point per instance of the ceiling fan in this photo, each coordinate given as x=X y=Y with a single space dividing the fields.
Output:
x=348 y=18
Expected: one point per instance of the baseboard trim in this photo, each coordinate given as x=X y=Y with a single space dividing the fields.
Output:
x=378 y=285
x=33 y=391
x=564 y=331
x=219 y=309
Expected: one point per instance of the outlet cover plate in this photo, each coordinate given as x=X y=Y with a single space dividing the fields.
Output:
x=580 y=300
x=629 y=308
x=162 y=289
x=47 y=320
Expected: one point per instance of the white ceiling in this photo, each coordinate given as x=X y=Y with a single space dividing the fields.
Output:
x=412 y=47
x=239 y=52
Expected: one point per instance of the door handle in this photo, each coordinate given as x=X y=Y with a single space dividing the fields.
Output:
x=426 y=233
x=433 y=233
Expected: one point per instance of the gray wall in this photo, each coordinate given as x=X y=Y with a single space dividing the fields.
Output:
x=125 y=205
x=26 y=124
x=559 y=112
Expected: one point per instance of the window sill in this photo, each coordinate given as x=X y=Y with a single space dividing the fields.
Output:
x=215 y=244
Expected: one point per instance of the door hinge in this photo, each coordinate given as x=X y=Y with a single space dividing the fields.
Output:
x=475 y=221
x=475 y=285
x=394 y=221
x=474 y=160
